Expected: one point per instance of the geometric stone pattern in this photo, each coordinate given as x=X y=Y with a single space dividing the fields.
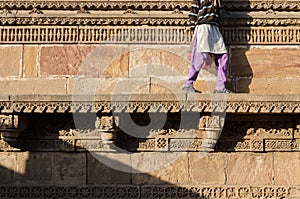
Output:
x=152 y=103
x=142 y=35
x=141 y=192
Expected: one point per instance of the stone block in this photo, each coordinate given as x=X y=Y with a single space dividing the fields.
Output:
x=35 y=168
x=160 y=168
x=11 y=61
x=33 y=86
x=108 y=85
x=156 y=61
x=8 y=167
x=65 y=60
x=108 y=168
x=166 y=84
x=111 y=61
x=84 y=60
x=249 y=168
x=69 y=168
x=265 y=62
x=30 y=63
x=287 y=168
x=207 y=168
x=268 y=85
x=205 y=86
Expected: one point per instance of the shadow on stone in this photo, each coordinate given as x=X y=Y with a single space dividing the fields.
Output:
x=48 y=160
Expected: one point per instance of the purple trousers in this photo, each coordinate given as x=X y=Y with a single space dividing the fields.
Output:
x=197 y=61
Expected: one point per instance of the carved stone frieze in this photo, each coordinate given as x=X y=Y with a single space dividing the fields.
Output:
x=153 y=4
x=36 y=17
x=136 y=131
x=96 y=4
x=261 y=5
x=147 y=191
x=155 y=103
x=141 y=35
x=151 y=18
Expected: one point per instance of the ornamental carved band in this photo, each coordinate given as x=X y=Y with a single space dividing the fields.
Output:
x=140 y=22
x=163 y=191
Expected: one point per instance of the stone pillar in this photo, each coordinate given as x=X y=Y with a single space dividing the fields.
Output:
x=107 y=127
x=212 y=126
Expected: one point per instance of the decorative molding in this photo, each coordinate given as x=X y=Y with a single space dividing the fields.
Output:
x=230 y=107
x=95 y=34
x=152 y=4
x=155 y=145
x=141 y=35
x=262 y=35
x=260 y=18
x=84 y=17
x=237 y=103
x=261 y=4
x=131 y=17
x=148 y=191
x=97 y=4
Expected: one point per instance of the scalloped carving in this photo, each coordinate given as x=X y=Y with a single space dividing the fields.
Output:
x=231 y=106
x=152 y=5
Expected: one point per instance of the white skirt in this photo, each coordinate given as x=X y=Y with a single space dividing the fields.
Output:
x=208 y=39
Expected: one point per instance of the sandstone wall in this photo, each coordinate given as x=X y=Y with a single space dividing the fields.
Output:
x=63 y=48
x=56 y=69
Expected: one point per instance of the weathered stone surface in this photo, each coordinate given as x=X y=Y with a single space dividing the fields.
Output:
x=69 y=168
x=30 y=63
x=207 y=168
x=287 y=168
x=156 y=61
x=111 y=61
x=205 y=86
x=86 y=60
x=93 y=86
x=249 y=168
x=35 y=168
x=33 y=86
x=66 y=60
x=8 y=167
x=160 y=168
x=11 y=61
x=166 y=84
x=295 y=194
x=104 y=169
x=265 y=62
x=268 y=85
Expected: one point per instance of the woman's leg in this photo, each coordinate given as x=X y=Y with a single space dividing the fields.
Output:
x=197 y=61
x=222 y=60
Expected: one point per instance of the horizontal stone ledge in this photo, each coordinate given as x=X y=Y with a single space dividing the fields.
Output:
x=191 y=102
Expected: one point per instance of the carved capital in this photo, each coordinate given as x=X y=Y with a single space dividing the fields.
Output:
x=106 y=125
x=214 y=122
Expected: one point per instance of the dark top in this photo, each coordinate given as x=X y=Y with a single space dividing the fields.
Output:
x=204 y=12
